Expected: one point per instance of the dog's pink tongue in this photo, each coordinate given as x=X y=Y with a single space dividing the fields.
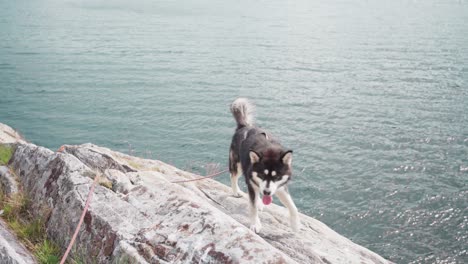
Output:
x=267 y=199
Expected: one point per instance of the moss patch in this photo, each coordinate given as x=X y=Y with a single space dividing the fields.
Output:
x=105 y=183
x=6 y=152
x=134 y=164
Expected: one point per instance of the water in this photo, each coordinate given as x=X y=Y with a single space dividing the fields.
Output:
x=371 y=95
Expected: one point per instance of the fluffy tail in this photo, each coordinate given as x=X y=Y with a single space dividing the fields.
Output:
x=243 y=112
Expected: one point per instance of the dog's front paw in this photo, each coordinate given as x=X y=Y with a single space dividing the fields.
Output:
x=256 y=227
x=236 y=191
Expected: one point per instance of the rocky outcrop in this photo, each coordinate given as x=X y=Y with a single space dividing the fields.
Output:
x=138 y=215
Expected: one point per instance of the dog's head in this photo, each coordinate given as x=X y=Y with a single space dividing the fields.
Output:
x=271 y=169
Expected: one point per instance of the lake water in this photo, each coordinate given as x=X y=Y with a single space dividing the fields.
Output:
x=371 y=95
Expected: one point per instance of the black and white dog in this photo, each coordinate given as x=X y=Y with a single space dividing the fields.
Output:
x=267 y=166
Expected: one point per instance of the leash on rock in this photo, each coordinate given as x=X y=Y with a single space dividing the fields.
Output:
x=88 y=201
x=202 y=178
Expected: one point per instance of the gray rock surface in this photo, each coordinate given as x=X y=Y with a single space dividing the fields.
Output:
x=138 y=215
x=12 y=252
x=8 y=183
x=9 y=135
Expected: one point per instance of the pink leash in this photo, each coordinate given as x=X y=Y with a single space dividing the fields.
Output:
x=201 y=178
x=88 y=200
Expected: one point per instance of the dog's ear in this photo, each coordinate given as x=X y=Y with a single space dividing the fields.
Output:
x=286 y=158
x=254 y=157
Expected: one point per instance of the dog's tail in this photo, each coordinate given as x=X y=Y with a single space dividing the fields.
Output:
x=243 y=112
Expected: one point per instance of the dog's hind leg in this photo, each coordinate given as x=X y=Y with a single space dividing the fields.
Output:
x=235 y=170
x=235 y=180
x=286 y=200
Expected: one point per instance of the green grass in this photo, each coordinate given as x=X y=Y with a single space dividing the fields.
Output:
x=29 y=230
x=5 y=154
x=79 y=257
x=47 y=252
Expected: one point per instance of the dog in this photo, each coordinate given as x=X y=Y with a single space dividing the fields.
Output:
x=265 y=163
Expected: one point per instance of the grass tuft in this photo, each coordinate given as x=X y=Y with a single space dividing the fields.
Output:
x=30 y=230
x=5 y=154
x=47 y=252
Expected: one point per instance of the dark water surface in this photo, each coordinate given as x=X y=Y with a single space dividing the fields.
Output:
x=371 y=95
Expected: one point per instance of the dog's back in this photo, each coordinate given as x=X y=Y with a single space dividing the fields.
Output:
x=248 y=136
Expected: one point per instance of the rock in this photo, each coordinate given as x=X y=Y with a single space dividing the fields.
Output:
x=145 y=218
x=9 y=135
x=121 y=183
x=11 y=251
x=100 y=159
x=8 y=183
